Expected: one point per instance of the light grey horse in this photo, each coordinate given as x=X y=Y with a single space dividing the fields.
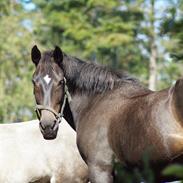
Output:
x=26 y=157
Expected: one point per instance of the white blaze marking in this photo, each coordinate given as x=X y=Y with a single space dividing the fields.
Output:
x=47 y=79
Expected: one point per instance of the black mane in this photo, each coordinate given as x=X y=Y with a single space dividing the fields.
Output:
x=88 y=77
x=92 y=78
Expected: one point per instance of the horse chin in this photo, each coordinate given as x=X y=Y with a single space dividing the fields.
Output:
x=51 y=135
x=48 y=132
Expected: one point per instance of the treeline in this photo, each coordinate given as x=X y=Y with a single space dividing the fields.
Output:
x=143 y=37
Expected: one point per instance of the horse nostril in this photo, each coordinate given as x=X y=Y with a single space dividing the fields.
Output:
x=54 y=123
x=42 y=126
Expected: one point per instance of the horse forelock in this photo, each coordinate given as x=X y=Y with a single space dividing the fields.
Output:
x=46 y=65
x=47 y=55
x=92 y=78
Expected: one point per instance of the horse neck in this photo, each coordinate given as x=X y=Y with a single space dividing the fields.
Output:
x=177 y=101
x=78 y=105
x=84 y=82
x=71 y=67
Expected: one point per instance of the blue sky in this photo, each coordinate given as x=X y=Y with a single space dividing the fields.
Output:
x=28 y=5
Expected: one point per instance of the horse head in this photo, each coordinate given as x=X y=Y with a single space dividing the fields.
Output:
x=49 y=90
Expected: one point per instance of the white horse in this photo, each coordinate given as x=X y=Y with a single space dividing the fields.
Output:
x=26 y=157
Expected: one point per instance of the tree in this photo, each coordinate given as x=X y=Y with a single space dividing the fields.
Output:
x=15 y=66
x=172 y=26
x=153 y=49
x=171 y=29
x=103 y=31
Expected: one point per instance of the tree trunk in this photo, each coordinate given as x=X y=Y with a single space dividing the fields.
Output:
x=153 y=51
x=153 y=67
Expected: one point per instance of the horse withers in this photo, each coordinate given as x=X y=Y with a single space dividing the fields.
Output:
x=26 y=157
x=112 y=113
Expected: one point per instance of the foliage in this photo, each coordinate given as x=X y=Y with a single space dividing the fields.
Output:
x=171 y=28
x=175 y=170
x=134 y=174
x=15 y=85
x=102 y=31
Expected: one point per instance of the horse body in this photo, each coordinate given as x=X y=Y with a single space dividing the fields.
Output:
x=138 y=130
x=26 y=157
x=142 y=122
x=152 y=127
x=114 y=115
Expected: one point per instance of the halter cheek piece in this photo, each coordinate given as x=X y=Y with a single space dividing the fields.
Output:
x=57 y=115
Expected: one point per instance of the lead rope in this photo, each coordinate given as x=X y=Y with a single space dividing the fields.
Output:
x=58 y=116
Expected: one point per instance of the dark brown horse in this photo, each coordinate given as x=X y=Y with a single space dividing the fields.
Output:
x=111 y=112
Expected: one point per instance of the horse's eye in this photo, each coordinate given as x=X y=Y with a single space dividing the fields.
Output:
x=61 y=82
x=36 y=85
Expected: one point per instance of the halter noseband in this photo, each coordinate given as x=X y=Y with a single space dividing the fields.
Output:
x=57 y=115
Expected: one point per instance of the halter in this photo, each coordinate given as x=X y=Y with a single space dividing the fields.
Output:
x=57 y=115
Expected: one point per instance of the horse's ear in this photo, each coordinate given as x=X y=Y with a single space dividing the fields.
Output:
x=58 y=55
x=35 y=55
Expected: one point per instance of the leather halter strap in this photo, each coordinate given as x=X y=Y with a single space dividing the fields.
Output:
x=58 y=116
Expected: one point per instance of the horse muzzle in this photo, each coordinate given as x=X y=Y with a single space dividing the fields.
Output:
x=49 y=120
x=49 y=130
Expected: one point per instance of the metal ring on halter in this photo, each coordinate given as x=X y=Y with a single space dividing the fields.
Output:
x=58 y=116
